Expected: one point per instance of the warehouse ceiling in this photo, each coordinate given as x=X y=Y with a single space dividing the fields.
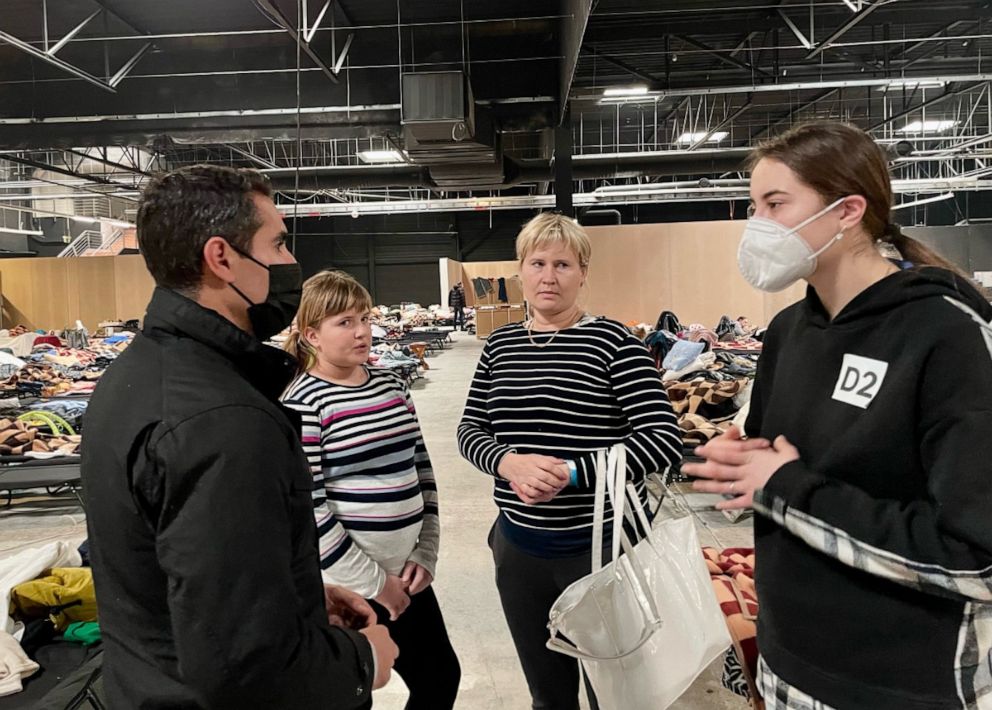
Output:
x=367 y=105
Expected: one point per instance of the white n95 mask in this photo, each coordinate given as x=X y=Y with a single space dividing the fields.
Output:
x=772 y=257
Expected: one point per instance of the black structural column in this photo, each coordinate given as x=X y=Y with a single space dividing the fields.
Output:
x=563 y=165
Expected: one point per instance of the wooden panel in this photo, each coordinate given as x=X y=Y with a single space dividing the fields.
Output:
x=134 y=286
x=50 y=293
x=629 y=273
x=485 y=270
x=18 y=297
x=93 y=290
x=638 y=271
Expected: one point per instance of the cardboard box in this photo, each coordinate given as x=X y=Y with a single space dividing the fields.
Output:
x=488 y=319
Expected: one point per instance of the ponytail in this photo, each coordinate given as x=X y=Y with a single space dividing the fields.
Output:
x=301 y=351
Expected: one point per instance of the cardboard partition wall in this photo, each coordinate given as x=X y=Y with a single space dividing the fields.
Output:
x=52 y=294
x=638 y=271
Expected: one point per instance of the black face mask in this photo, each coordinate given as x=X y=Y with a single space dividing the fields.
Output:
x=279 y=308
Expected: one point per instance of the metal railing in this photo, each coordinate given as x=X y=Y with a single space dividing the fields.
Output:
x=93 y=243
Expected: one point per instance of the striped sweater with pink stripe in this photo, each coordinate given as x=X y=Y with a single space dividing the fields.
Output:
x=374 y=494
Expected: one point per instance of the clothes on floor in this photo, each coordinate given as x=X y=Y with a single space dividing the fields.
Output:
x=85 y=633
x=64 y=594
x=567 y=394
x=15 y=666
x=427 y=662
x=875 y=548
x=200 y=516
x=26 y=565
x=528 y=587
x=374 y=493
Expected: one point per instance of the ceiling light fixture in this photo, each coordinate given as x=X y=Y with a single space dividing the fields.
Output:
x=913 y=84
x=380 y=156
x=690 y=138
x=636 y=90
x=927 y=126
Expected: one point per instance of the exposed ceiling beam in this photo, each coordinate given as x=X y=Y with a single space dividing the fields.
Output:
x=103 y=161
x=252 y=157
x=269 y=8
x=806 y=42
x=804 y=85
x=926 y=104
x=799 y=109
x=743 y=43
x=572 y=33
x=855 y=20
x=935 y=47
x=71 y=33
x=926 y=41
x=129 y=65
x=55 y=61
x=62 y=171
x=725 y=58
x=725 y=122
x=633 y=71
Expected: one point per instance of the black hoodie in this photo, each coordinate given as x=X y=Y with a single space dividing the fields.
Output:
x=874 y=551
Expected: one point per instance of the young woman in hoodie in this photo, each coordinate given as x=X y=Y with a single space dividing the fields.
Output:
x=868 y=457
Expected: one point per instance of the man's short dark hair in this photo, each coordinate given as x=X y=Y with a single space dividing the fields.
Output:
x=183 y=209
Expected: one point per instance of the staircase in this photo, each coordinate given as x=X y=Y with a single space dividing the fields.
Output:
x=93 y=243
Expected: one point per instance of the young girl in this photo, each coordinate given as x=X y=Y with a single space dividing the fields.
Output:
x=375 y=498
x=872 y=473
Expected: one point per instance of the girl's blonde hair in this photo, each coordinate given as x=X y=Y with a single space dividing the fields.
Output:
x=550 y=228
x=326 y=294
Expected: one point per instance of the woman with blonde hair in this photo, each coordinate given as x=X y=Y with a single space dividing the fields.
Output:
x=547 y=395
x=868 y=460
x=375 y=497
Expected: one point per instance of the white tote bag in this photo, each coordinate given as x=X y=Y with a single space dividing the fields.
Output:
x=648 y=623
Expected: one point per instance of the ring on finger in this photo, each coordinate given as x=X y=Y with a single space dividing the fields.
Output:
x=732 y=485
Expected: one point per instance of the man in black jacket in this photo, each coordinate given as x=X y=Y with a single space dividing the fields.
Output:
x=198 y=493
x=456 y=301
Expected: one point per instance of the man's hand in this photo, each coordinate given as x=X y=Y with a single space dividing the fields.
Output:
x=386 y=652
x=347 y=609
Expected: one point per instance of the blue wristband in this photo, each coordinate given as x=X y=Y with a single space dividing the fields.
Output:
x=573 y=478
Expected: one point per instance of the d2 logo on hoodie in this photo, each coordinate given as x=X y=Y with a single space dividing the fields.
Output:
x=860 y=380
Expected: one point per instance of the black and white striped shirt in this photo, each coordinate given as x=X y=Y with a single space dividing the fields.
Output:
x=375 y=497
x=591 y=386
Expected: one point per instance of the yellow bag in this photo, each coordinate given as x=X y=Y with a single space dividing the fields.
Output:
x=65 y=594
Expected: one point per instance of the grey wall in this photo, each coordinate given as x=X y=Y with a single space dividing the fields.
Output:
x=968 y=247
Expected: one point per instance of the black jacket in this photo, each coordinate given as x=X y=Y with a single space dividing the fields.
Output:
x=874 y=552
x=456 y=298
x=201 y=525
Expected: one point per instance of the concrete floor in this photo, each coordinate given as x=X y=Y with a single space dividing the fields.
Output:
x=491 y=675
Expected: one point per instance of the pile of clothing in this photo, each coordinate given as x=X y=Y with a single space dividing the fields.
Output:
x=51 y=369
x=50 y=621
x=708 y=373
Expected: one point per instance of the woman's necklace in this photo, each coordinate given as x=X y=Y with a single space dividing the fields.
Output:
x=530 y=332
